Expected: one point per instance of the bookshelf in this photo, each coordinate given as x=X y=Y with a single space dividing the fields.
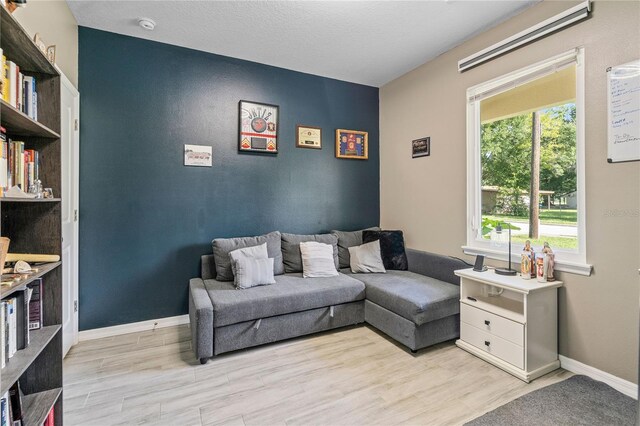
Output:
x=34 y=226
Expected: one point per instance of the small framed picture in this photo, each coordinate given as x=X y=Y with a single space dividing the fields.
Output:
x=258 y=125
x=308 y=137
x=51 y=54
x=352 y=144
x=421 y=147
x=198 y=155
x=39 y=43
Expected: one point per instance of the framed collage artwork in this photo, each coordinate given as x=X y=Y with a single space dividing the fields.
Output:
x=258 y=127
x=352 y=144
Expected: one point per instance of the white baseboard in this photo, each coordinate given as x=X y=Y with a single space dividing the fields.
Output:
x=116 y=330
x=626 y=387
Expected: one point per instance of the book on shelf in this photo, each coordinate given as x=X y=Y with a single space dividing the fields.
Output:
x=4 y=158
x=15 y=312
x=35 y=304
x=22 y=165
x=15 y=399
x=18 y=89
x=50 y=420
x=4 y=410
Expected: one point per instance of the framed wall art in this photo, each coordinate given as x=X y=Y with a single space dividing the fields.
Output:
x=198 y=155
x=421 y=147
x=353 y=144
x=258 y=124
x=308 y=137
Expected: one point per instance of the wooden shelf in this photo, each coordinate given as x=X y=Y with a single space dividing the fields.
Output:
x=24 y=357
x=37 y=405
x=20 y=285
x=29 y=200
x=18 y=123
x=18 y=47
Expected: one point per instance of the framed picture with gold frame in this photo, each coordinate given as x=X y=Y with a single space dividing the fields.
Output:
x=308 y=137
x=352 y=144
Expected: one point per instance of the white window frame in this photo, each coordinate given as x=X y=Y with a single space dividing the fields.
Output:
x=567 y=261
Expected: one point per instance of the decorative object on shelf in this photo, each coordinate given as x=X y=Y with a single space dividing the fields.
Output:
x=541 y=268
x=550 y=261
x=258 y=124
x=353 y=144
x=31 y=257
x=421 y=147
x=308 y=137
x=51 y=53
x=198 y=155
x=40 y=43
x=36 y=189
x=48 y=193
x=508 y=271
x=12 y=5
x=4 y=250
x=22 y=267
x=16 y=192
x=528 y=260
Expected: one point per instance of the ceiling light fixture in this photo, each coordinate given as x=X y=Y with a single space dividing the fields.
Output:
x=147 y=23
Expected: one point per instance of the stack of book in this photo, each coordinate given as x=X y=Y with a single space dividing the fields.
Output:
x=19 y=90
x=18 y=166
x=19 y=314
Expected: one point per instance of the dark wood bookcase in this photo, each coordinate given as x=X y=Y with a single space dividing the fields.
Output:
x=34 y=226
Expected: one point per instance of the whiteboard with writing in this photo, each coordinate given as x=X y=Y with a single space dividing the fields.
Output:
x=623 y=92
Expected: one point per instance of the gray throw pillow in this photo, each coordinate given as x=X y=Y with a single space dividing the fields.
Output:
x=291 y=249
x=255 y=252
x=251 y=272
x=348 y=239
x=367 y=258
x=222 y=247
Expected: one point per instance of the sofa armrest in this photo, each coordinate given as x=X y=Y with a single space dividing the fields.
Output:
x=435 y=265
x=201 y=318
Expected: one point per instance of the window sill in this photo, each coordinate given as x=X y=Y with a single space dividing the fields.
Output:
x=560 y=265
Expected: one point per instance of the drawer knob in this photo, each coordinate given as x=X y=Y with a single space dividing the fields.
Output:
x=487 y=343
x=487 y=322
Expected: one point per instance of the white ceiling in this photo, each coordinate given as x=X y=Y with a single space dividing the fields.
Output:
x=367 y=42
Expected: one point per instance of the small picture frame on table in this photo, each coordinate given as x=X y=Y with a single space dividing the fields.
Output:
x=421 y=147
x=258 y=127
x=308 y=137
x=352 y=144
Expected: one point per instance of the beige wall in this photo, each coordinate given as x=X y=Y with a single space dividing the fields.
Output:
x=426 y=197
x=56 y=25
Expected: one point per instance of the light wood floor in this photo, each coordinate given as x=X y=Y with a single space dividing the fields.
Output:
x=353 y=376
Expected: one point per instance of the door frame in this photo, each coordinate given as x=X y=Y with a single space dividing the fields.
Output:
x=65 y=83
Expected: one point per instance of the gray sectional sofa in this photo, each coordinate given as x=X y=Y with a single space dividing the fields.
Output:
x=418 y=307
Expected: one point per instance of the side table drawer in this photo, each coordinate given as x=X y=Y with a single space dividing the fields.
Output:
x=493 y=324
x=497 y=346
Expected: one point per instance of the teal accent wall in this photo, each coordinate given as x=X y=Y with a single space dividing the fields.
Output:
x=145 y=219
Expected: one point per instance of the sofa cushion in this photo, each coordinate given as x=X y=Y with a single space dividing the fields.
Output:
x=416 y=297
x=222 y=247
x=291 y=249
x=348 y=239
x=290 y=293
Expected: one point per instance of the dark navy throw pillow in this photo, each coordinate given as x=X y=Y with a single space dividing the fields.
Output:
x=391 y=248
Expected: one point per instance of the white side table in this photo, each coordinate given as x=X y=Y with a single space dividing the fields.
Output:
x=515 y=330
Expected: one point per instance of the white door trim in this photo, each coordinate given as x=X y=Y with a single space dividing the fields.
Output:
x=75 y=202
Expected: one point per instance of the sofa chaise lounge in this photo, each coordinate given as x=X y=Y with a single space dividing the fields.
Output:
x=418 y=307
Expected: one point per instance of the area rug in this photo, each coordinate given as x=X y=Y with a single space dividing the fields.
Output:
x=579 y=400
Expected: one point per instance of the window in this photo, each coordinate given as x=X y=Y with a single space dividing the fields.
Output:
x=526 y=162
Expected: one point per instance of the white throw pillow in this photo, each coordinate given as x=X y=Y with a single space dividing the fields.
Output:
x=366 y=258
x=250 y=272
x=317 y=260
x=253 y=252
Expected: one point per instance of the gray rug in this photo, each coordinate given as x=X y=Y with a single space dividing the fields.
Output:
x=578 y=400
